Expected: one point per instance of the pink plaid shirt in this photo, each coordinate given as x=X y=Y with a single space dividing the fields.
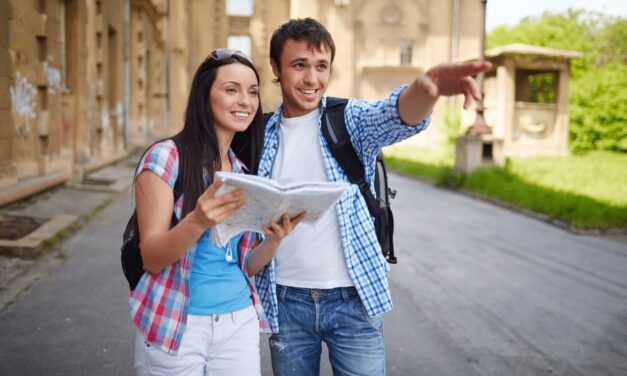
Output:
x=160 y=302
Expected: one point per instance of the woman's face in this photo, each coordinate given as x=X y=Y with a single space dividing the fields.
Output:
x=234 y=97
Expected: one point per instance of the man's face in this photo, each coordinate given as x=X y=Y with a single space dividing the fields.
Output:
x=304 y=76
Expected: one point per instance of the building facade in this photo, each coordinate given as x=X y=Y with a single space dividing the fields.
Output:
x=83 y=82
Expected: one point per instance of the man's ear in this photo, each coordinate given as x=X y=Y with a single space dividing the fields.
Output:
x=275 y=68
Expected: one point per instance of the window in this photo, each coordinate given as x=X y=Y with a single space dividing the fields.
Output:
x=536 y=86
x=42 y=48
x=239 y=7
x=240 y=42
x=407 y=48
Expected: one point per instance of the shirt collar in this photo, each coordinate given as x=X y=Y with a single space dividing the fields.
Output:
x=237 y=166
x=274 y=121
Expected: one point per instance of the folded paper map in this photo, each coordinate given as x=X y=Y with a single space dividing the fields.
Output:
x=267 y=200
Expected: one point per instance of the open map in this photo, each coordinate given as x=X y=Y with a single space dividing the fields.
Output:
x=267 y=200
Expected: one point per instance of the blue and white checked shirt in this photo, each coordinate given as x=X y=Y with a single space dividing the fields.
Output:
x=371 y=125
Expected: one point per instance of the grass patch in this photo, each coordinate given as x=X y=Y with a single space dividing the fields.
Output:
x=600 y=175
x=419 y=162
x=54 y=241
x=585 y=191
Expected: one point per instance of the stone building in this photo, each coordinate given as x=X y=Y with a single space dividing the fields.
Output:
x=379 y=44
x=526 y=100
x=66 y=71
x=525 y=106
x=82 y=82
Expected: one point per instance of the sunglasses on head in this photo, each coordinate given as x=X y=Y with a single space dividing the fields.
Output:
x=225 y=53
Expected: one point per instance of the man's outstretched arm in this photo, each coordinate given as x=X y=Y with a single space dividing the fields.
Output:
x=418 y=99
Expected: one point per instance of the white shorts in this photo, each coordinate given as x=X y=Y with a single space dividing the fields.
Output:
x=226 y=344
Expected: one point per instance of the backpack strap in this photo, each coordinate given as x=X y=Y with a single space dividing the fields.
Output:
x=178 y=185
x=336 y=134
x=266 y=117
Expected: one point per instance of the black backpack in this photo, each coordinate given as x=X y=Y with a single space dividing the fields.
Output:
x=334 y=131
x=132 y=263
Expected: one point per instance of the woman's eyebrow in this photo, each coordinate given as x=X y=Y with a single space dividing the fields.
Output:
x=235 y=83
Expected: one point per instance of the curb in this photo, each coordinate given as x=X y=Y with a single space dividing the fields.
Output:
x=544 y=217
x=520 y=210
x=58 y=226
x=31 y=245
x=116 y=187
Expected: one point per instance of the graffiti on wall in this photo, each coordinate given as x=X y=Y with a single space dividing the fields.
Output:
x=67 y=123
x=119 y=113
x=104 y=119
x=23 y=100
x=53 y=76
x=66 y=128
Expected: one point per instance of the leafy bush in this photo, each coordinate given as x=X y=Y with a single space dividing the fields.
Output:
x=451 y=179
x=598 y=109
x=452 y=128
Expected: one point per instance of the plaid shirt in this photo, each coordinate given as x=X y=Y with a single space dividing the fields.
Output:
x=371 y=125
x=160 y=302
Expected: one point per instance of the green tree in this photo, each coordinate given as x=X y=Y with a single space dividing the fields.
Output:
x=572 y=30
x=598 y=109
x=613 y=41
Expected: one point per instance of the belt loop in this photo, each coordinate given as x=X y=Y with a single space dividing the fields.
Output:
x=345 y=294
x=282 y=291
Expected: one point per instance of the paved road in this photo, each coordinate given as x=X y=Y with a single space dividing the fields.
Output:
x=513 y=295
x=479 y=290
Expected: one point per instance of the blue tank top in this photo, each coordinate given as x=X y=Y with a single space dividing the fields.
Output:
x=217 y=285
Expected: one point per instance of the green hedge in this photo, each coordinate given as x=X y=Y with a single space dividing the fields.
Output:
x=598 y=109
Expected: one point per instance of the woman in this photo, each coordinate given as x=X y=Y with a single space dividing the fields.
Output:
x=195 y=308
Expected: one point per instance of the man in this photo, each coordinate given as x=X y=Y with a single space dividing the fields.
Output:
x=328 y=282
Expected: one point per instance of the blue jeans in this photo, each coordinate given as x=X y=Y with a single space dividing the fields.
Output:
x=336 y=316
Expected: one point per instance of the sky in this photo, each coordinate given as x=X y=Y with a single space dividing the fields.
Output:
x=511 y=11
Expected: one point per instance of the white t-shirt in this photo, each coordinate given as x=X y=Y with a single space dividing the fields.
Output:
x=310 y=256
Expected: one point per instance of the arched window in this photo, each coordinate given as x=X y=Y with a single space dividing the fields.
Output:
x=407 y=49
x=240 y=42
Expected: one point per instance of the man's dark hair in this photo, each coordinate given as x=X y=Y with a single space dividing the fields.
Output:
x=306 y=29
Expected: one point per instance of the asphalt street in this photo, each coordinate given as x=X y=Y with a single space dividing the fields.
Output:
x=479 y=290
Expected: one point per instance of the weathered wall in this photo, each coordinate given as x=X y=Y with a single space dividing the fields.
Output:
x=8 y=174
x=62 y=69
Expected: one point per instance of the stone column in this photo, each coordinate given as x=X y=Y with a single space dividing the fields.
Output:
x=562 y=119
x=468 y=153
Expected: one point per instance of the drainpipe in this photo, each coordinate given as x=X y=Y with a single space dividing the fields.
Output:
x=454 y=41
x=127 y=73
x=455 y=31
x=480 y=127
x=166 y=68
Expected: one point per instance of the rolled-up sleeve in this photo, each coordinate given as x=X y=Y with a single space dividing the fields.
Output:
x=375 y=124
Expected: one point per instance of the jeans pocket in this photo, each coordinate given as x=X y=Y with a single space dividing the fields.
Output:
x=376 y=322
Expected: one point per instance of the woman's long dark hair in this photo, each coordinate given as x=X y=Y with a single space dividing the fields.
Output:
x=201 y=152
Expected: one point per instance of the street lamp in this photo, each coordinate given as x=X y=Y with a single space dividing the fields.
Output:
x=480 y=128
x=470 y=148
